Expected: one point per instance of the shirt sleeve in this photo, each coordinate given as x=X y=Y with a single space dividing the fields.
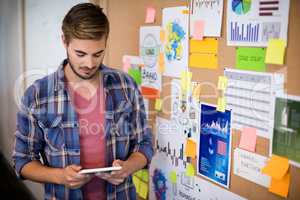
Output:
x=28 y=142
x=142 y=132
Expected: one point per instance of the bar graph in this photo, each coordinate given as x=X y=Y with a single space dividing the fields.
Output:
x=172 y=153
x=244 y=32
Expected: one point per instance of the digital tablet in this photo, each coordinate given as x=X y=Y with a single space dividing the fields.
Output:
x=98 y=170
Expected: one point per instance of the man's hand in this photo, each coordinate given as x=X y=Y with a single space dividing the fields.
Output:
x=117 y=177
x=72 y=179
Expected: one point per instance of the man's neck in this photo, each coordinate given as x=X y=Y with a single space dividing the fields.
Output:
x=86 y=88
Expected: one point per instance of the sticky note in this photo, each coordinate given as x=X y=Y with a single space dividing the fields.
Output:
x=186 y=81
x=150 y=15
x=196 y=91
x=276 y=167
x=136 y=75
x=143 y=190
x=207 y=61
x=185 y=11
x=158 y=104
x=173 y=177
x=275 y=51
x=145 y=175
x=136 y=183
x=126 y=64
x=248 y=139
x=281 y=187
x=222 y=83
x=162 y=35
x=207 y=46
x=221 y=104
x=198 y=30
x=190 y=171
x=251 y=59
x=190 y=148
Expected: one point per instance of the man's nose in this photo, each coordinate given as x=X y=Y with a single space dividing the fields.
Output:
x=90 y=63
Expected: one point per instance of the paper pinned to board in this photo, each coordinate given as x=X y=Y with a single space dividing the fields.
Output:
x=207 y=61
x=191 y=148
x=185 y=81
x=150 y=15
x=173 y=177
x=158 y=104
x=190 y=171
x=277 y=167
x=275 y=51
x=248 y=139
x=221 y=107
x=251 y=59
x=222 y=83
x=281 y=187
x=199 y=29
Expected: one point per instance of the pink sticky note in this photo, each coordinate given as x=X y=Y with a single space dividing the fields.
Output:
x=198 y=29
x=126 y=64
x=248 y=139
x=150 y=15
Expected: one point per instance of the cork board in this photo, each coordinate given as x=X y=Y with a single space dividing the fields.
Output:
x=127 y=16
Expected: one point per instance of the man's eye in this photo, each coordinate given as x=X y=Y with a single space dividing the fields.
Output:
x=80 y=55
x=97 y=56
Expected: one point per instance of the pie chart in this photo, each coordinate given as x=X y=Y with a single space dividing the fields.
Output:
x=241 y=7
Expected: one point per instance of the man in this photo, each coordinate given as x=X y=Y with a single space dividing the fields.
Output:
x=85 y=115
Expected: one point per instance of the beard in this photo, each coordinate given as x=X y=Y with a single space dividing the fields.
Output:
x=78 y=74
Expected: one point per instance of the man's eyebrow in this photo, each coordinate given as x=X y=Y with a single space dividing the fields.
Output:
x=82 y=52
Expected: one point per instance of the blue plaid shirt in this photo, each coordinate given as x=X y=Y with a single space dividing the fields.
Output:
x=47 y=126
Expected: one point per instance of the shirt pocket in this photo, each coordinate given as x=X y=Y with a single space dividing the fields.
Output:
x=53 y=134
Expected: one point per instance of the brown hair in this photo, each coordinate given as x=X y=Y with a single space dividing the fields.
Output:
x=85 y=21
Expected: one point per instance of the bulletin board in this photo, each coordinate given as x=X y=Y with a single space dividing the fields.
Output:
x=127 y=16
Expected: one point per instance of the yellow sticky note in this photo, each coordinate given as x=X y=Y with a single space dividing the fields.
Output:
x=281 y=187
x=186 y=81
x=190 y=171
x=185 y=11
x=158 y=104
x=136 y=183
x=207 y=46
x=221 y=107
x=222 y=83
x=191 y=148
x=173 y=177
x=276 y=167
x=143 y=190
x=207 y=61
x=145 y=175
x=275 y=51
x=162 y=35
x=196 y=91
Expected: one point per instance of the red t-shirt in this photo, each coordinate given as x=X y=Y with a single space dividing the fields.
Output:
x=90 y=113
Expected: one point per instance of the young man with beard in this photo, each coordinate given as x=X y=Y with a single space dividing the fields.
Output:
x=84 y=115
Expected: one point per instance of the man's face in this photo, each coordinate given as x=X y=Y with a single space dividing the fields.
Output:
x=85 y=56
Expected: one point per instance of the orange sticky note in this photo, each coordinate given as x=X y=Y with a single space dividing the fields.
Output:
x=281 y=187
x=162 y=35
x=150 y=15
x=248 y=139
x=185 y=11
x=198 y=30
x=276 y=167
x=190 y=149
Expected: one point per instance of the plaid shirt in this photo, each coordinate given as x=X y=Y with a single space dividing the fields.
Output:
x=47 y=126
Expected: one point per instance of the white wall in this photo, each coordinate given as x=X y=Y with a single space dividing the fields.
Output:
x=43 y=50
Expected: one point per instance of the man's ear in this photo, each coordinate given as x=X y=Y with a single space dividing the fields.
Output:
x=63 y=38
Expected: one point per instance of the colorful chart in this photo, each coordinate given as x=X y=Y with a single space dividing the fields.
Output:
x=241 y=7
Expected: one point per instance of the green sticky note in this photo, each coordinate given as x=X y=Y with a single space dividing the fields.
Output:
x=173 y=177
x=275 y=51
x=190 y=171
x=139 y=174
x=251 y=59
x=136 y=75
